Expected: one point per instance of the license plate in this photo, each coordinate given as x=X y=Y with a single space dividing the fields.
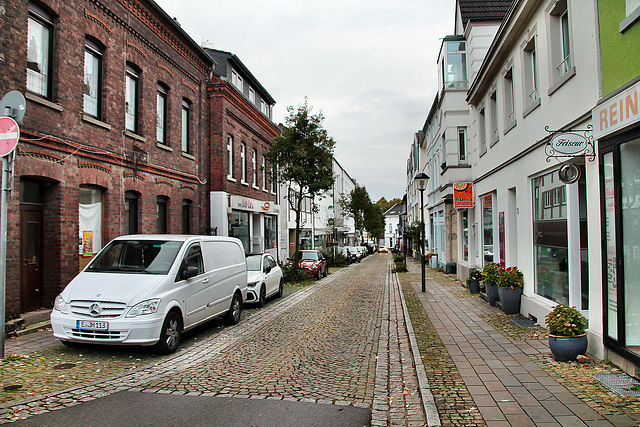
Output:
x=92 y=325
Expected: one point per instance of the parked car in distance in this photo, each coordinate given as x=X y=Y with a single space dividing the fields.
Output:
x=349 y=253
x=264 y=278
x=382 y=249
x=313 y=261
x=149 y=289
x=363 y=250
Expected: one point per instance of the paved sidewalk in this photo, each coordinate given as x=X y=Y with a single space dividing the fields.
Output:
x=506 y=384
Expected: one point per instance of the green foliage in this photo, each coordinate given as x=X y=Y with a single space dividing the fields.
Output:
x=400 y=267
x=339 y=260
x=490 y=272
x=385 y=205
x=565 y=321
x=475 y=274
x=292 y=274
x=398 y=258
x=367 y=216
x=374 y=220
x=510 y=277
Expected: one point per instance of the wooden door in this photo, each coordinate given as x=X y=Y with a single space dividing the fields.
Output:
x=31 y=253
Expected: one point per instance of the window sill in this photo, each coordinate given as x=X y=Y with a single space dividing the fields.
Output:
x=164 y=147
x=230 y=178
x=42 y=101
x=265 y=190
x=630 y=20
x=255 y=187
x=135 y=136
x=509 y=126
x=188 y=156
x=96 y=122
x=562 y=80
x=535 y=104
x=483 y=152
x=494 y=141
x=245 y=183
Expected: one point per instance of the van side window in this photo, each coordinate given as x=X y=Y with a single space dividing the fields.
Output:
x=193 y=259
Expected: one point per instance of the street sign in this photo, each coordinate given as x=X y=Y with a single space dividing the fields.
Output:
x=9 y=135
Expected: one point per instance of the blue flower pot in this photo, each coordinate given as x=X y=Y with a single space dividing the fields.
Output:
x=565 y=349
x=510 y=299
x=474 y=286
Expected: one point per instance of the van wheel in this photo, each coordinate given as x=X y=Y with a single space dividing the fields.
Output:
x=170 y=334
x=280 y=289
x=233 y=315
x=263 y=296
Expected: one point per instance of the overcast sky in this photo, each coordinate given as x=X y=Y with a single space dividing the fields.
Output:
x=368 y=65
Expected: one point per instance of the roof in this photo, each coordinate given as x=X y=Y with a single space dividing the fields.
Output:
x=483 y=10
x=397 y=209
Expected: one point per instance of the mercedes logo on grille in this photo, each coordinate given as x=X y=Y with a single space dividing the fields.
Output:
x=95 y=309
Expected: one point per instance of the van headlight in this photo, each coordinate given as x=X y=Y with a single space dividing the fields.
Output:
x=145 y=307
x=60 y=304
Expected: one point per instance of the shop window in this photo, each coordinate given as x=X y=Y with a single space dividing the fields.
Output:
x=465 y=234
x=239 y=227
x=487 y=229
x=270 y=232
x=39 y=51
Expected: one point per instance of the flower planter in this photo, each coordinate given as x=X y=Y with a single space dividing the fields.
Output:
x=510 y=299
x=492 y=293
x=565 y=349
x=474 y=286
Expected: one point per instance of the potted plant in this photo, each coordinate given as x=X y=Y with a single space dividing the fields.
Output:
x=490 y=278
x=567 y=337
x=475 y=276
x=510 y=282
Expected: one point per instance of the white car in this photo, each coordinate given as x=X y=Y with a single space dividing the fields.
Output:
x=264 y=278
x=148 y=289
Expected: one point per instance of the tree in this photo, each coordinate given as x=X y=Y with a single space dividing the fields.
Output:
x=303 y=153
x=355 y=204
x=385 y=205
x=374 y=220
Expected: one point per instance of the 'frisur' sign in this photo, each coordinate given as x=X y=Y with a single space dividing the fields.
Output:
x=569 y=143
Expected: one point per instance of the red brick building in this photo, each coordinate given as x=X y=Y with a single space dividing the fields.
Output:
x=243 y=195
x=114 y=140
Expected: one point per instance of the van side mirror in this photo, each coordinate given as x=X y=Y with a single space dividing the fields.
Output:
x=189 y=271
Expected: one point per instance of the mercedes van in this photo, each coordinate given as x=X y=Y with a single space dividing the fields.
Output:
x=148 y=289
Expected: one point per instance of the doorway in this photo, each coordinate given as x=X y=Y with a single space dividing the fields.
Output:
x=31 y=224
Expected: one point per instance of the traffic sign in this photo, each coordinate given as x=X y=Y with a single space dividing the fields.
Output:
x=9 y=135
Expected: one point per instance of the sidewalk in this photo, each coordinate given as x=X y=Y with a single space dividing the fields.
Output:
x=504 y=376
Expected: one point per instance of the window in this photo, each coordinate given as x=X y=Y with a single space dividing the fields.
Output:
x=39 y=51
x=456 y=65
x=254 y=170
x=264 y=173
x=161 y=118
x=92 y=80
x=530 y=66
x=229 y=157
x=186 y=124
x=131 y=100
x=90 y=220
x=131 y=212
x=482 y=131
x=560 y=34
x=236 y=79
x=162 y=220
x=487 y=229
x=264 y=108
x=243 y=161
x=509 y=104
x=272 y=180
x=462 y=145
x=493 y=117
x=465 y=234
x=252 y=95
x=186 y=216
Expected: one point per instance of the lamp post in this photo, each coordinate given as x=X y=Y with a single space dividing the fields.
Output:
x=422 y=179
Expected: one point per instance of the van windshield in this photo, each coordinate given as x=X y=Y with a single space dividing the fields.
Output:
x=136 y=256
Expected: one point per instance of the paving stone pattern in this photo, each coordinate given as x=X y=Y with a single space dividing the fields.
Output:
x=341 y=341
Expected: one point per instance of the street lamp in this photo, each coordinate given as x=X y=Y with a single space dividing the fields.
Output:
x=422 y=179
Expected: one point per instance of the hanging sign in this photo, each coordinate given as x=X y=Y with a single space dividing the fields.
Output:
x=463 y=195
x=570 y=143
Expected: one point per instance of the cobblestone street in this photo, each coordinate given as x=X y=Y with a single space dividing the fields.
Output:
x=340 y=341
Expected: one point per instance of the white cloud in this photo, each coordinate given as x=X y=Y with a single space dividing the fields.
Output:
x=369 y=65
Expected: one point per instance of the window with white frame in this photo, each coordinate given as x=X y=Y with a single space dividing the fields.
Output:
x=161 y=114
x=456 y=66
x=254 y=170
x=264 y=108
x=509 y=100
x=530 y=66
x=229 y=157
x=186 y=124
x=243 y=161
x=462 y=144
x=482 y=131
x=264 y=173
x=560 y=34
x=493 y=117
x=252 y=95
x=632 y=14
x=131 y=99
x=237 y=81
x=39 y=51
x=92 y=85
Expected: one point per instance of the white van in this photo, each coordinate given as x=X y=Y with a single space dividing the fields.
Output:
x=148 y=289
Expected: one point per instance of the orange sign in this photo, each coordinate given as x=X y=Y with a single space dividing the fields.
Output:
x=463 y=195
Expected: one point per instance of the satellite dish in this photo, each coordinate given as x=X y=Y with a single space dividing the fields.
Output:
x=13 y=105
x=569 y=173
